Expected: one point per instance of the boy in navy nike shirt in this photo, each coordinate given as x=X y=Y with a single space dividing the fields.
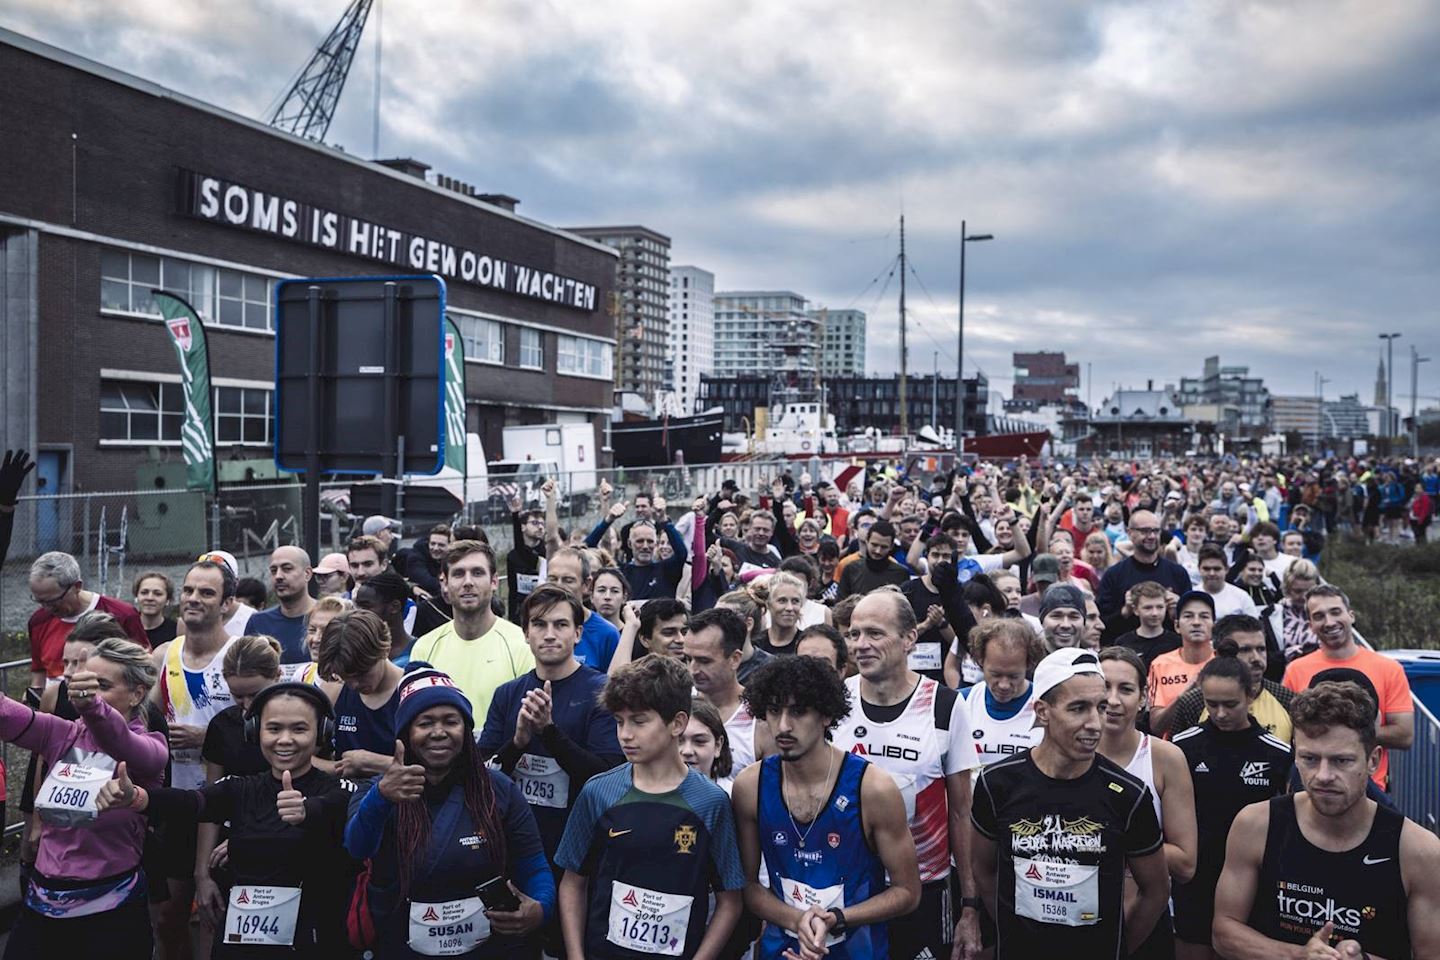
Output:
x=645 y=840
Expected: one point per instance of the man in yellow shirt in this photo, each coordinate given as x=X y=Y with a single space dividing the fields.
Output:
x=478 y=649
x=1242 y=637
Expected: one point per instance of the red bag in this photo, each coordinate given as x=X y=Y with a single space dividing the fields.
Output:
x=359 y=923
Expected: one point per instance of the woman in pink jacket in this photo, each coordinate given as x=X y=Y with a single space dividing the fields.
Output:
x=87 y=893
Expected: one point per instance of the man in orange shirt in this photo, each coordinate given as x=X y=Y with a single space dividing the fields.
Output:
x=1333 y=622
x=1171 y=674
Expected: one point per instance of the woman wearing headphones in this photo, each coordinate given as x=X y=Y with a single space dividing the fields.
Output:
x=251 y=664
x=290 y=872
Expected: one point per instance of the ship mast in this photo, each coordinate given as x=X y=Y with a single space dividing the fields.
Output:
x=904 y=358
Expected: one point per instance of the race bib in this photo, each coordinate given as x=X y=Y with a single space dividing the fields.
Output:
x=262 y=915
x=67 y=797
x=543 y=781
x=1067 y=894
x=802 y=896
x=970 y=671
x=926 y=656
x=526 y=583
x=448 y=929
x=648 y=921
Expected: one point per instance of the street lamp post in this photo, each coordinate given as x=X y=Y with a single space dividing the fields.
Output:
x=1389 y=339
x=1415 y=361
x=960 y=342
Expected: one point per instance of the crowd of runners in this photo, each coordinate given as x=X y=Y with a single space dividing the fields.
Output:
x=1099 y=710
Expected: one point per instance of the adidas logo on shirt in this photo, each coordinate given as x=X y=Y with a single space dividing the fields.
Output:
x=925 y=954
x=1202 y=768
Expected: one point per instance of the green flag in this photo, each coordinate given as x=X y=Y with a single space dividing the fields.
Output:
x=197 y=436
x=454 y=397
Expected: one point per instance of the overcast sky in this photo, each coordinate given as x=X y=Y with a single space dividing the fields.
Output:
x=1165 y=180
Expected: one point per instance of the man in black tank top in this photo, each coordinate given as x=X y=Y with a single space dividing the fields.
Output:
x=1328 y=873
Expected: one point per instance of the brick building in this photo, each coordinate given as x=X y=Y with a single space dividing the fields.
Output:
x=117 y=186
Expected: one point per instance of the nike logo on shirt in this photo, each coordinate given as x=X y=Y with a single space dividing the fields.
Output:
x=619 y=833
x=1369 y=862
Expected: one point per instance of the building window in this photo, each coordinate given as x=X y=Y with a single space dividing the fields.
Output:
x=484 y=339
x=242 y=415
x=581 y=357
x=532 y=354
x=227 y=298
x=132 y=410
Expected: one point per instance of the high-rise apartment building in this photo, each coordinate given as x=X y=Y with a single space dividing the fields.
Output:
x=692 y=332
x=1042 y=379
x=751 y=326
x=642 y=291
x=842 y=352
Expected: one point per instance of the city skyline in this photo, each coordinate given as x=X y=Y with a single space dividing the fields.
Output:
x=1148 y=171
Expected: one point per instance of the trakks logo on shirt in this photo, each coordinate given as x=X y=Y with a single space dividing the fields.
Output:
x=1306 y=907
x=1055 y=834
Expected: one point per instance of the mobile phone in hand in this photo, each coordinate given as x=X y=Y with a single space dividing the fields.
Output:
x=496 y=895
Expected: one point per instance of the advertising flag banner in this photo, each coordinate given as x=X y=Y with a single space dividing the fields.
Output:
x=197 y=436
x=454 y=397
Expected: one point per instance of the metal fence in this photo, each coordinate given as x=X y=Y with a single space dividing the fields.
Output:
x=1415 y=773
x=118 y=534
x=14 y=678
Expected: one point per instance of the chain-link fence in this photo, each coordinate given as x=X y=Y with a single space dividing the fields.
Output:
x=116 y=535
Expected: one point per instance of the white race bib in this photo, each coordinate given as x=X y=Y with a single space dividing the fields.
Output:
x=1067 y=894
x=802 y=896
x=448 y=929
x=262 y=915
x=67 y=797
x=926 y=656
x=647 y=920
x=543 y=781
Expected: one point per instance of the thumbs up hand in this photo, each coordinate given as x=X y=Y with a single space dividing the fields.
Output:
x=289 y=802
x=402 y=782
x=117 y=792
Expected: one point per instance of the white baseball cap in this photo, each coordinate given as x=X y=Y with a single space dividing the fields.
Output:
x=1063 y=664
x=221 y=556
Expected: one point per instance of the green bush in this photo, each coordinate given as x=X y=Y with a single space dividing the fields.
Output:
x=1394 y=590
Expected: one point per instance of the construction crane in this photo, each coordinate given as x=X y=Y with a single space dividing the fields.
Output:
x=308 y=106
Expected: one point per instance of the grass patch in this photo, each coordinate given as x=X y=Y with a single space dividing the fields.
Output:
x=1394 y=590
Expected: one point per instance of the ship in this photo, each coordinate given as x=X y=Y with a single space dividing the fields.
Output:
x=666 y=440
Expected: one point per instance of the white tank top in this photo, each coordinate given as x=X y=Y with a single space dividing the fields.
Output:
x=996 y=739
x=192 y=698
x=740 y=730
x=1142 y=765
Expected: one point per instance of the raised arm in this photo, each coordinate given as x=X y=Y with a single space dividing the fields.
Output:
x=552 y=517
x=699 y=561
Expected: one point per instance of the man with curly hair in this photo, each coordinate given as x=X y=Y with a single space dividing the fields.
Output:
x=829 y=825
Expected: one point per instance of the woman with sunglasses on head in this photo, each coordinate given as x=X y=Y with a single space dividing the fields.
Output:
x=456 y=863
x=87 y=891
x=290 y=875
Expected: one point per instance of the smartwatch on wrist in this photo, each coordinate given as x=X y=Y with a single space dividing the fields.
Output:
x=972 y=902
x=839 y=916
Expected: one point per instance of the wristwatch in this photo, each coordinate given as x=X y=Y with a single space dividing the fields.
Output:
x=839 y=915
x=972 y=902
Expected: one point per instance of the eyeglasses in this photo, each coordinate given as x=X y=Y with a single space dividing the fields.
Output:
x=1145 y=531
x=52 y=601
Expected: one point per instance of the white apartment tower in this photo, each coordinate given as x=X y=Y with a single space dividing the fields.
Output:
x=692 y=332
x=842 y=352
x=750 y=325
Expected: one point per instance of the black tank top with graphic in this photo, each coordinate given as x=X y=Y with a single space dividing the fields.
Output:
x=1300 y=886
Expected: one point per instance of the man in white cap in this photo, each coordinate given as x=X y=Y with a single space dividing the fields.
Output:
x=383 y=529
x=1055 y=828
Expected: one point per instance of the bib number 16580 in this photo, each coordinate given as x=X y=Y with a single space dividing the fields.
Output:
x=68 y=796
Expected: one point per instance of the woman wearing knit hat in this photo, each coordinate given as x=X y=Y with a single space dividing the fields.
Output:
x=438 y=827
